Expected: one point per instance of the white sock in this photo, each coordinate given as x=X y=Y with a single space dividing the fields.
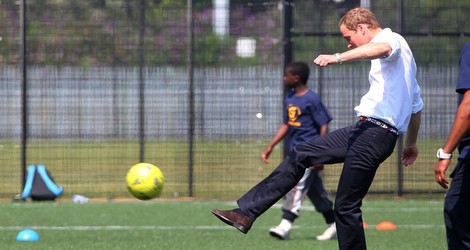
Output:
x=286 y=224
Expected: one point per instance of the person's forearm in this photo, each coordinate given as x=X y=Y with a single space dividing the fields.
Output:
x=282 y=131
x=367 y=51
x=413 y=128
x=324 y=129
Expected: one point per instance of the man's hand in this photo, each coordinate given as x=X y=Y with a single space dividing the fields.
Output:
x=410 y=153
x=440 y=172
x=325 y=60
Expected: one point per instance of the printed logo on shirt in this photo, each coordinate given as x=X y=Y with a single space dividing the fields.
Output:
x=293 y=112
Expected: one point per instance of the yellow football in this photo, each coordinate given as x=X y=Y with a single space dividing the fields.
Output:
x=145 y=181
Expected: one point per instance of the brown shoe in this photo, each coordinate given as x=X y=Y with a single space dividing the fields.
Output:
x=234 y=219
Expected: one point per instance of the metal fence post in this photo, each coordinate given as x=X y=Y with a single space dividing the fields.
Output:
x=24 y=90
x=288 y=24
x=191 y=109
x=141 y=81
x=400 y=139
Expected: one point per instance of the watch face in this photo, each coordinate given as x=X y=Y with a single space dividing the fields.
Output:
x=442 y=155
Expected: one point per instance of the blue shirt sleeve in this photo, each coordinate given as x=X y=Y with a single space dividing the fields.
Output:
x=463 y=82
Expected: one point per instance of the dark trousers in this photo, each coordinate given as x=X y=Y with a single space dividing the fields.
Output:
x=457 y=207
x=361 y=148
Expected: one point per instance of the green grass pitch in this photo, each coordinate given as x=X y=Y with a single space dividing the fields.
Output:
x=162 y=224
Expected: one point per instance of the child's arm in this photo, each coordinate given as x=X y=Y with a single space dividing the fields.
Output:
x=281 y=132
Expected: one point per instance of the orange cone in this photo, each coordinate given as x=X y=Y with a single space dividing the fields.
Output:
x=364 y=225
x=386 y=225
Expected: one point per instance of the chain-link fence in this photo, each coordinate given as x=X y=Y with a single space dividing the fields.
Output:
x=196 y=88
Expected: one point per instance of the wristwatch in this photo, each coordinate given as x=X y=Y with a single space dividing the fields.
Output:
x=338 y=58
x=441 y=155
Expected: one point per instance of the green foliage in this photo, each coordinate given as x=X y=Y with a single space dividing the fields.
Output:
x=437 y=16
x=212 y=47
x=100 y=32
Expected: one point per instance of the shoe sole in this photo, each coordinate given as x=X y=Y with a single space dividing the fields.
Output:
x=276 y=235
x=227 y=221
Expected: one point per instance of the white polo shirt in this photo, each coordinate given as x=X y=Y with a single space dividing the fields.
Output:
x=394 y=93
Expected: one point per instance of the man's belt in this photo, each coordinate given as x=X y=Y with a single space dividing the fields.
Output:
x=379 y=123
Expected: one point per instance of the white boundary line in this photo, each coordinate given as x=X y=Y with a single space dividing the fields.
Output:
x=432 y=207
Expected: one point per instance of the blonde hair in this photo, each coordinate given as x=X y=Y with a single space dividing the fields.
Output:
x=359 y=16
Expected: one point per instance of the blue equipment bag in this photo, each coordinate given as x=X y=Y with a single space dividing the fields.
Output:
x=39 y=185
